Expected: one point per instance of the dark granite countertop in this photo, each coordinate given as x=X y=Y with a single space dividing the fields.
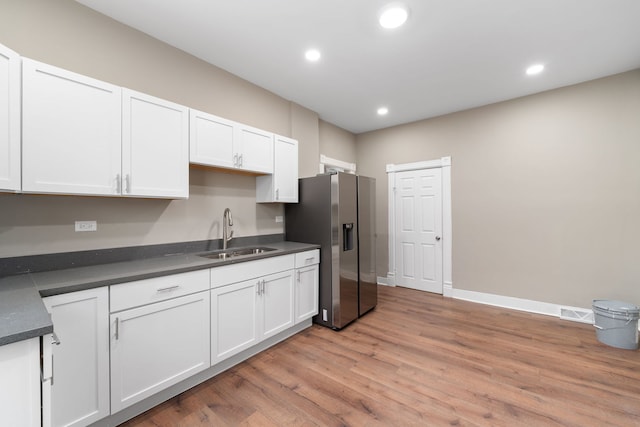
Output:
x=23 y=314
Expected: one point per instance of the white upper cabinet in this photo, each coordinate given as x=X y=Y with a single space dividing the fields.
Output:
x=71 y=133
x=211 y=140
x=255 y=149
x=85 y=136
x=223 y=143
x=282 y=185
x=155 y=147
x=9 y=120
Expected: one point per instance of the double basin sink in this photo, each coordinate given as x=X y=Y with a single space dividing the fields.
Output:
x=237 y=252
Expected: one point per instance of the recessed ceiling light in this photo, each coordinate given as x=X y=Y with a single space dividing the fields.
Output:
x=312 y=55
x=393 y=15
x=382 y=111
x=535 y=69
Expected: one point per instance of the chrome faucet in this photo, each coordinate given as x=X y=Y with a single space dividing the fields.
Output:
x=227 y=221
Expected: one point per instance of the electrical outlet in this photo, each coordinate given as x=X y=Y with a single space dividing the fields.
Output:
x=324 y=315
x=86 y=226
x=279 y=218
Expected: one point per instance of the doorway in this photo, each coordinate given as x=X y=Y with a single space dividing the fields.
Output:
x=420 y=226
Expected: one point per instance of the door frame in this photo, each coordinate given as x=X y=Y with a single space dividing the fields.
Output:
x=443 y=163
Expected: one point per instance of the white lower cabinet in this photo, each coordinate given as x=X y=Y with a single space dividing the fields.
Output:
x=121 y=344
x=250 y=310
x=76 y=392
x=277 y=303
x=306 y=291
x=234 y=319
x=157 y=345
x=245 y=313
x=20 y=383
x=306 y=286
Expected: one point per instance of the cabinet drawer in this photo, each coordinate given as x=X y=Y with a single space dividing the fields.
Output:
x=307 y=258
x=234 y=273
x=141 y=292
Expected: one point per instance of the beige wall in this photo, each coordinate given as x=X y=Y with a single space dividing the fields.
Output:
x=337 y=143
x=305 y=130
x=69 y=35
x=546 y=191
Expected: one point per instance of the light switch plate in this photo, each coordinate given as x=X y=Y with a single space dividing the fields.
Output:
x=279 y=218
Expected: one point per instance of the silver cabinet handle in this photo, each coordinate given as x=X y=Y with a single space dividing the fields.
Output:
x=117 y=334
x=235 y=160
x=277 y=193
x=240 y=160
x=263 y=287
x=54 y=339
x=298 y=275
x=258 y=289
x=52 y=368
x=118 y=184
x=128 y=181
x=168 y=289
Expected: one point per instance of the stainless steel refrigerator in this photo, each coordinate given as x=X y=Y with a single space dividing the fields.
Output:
x=336 y=211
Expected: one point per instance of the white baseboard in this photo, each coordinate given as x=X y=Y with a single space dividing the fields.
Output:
x=447 y=289
x=386 y=281
x=583 y=315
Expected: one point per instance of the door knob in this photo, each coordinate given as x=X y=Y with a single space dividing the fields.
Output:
x=438 y=238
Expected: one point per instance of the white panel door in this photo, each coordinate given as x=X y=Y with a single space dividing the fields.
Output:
x=79 y=392
x=155 y=147
x=418 y=202
x=9 y=120
x=71 y=132
x=211 y=140
x=255 y=150
x=156 y=346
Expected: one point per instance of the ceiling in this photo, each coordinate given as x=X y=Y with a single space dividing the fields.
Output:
x=451 y=55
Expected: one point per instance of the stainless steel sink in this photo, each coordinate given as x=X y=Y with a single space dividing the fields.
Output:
x=232 y=253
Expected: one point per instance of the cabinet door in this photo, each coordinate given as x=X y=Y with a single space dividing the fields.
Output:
x=211 y=140
x=79 y=392
x=285 y=173
x=9 y=120
x=255 y=149
x=234 y=319
x=282 y=185
x=71 y=133
x=157 y=345
x=20 y=383
x=155 y=147
x=277 y=299
x=306 y=292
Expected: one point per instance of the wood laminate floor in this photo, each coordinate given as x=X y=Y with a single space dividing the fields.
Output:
x=422 y=360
